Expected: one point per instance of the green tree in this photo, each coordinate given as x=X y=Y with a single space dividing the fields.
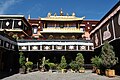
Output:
x=51 y=65
x=22 y=59
x=80 y=60
x=108 y=56
x=96 y=61
x=29 y=65
x=63 y=63
x=73 y=65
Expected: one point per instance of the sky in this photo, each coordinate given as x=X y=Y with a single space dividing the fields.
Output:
x=91 y=9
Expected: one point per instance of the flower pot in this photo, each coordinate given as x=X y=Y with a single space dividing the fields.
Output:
x=94 y=69
x=98 y=71
x=73 y=71
x=64 y=70
x=82 y=71
x=110 y=73
x=22 y=70
x=50 y=70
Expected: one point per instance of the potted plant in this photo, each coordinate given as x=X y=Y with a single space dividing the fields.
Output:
x=15 y=36
x=29 y=65
x=44 y=64
x=108 y=59
x=96 y=62
x=73 y=66
x=50 y=37
x=63 y=64
x=22 y=63
x=80 y=62
x=52 y=66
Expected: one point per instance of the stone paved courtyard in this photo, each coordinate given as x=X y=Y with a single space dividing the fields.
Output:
x=59 y=76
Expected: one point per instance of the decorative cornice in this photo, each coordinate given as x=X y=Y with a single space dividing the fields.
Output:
x=62 y=18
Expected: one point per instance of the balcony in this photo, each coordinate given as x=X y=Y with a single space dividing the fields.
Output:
x=7 y=42
x=62 y=30
x=55 y=45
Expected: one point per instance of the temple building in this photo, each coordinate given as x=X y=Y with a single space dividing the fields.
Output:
x=51 y=37
x=57 y=35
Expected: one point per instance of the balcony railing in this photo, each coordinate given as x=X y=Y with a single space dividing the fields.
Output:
x=55 y=45
x=63 y=30
x=53 y=40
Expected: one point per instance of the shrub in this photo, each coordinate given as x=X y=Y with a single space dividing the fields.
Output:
x=79 y=60
x=108 y=56
x=96 y=61
x=22 y=59
x=44 y=61
x=63 y=63
x=51 y=65
x=73 y=65
x=29 y=65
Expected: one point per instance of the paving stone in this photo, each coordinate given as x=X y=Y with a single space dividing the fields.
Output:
x=88 y=75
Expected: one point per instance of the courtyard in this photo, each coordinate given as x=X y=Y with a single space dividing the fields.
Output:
x=88 y=75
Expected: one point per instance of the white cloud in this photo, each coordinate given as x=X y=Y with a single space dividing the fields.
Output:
x=5 y=5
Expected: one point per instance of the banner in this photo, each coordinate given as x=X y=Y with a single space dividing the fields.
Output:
x=107 y=31
x=97 y=39
x=116 y=20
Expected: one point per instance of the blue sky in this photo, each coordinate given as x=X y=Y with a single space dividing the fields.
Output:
x=92 y=9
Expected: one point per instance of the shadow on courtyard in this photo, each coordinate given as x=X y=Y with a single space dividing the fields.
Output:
x=6 y=74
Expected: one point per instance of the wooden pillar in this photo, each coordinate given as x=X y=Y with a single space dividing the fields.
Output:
x=113 y=28
x=13 y=24
x=88 y=47
x=78 y=26
x=52 y=47
x=65 y=47
x=77 y=47
x=44 y=25
x=28 y=47
x=41 y=47
x=55 y=25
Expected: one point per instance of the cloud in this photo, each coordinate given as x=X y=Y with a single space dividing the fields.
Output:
x=35 y=8
x=4 y=6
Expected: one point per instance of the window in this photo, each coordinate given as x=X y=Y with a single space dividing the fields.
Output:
x=18 y=24
x=7 y=24
x=34 y=29
x=61 y=25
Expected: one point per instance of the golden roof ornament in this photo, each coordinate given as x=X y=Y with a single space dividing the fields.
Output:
x=29 y=16
x=55 y=14
x=61 y=12
x=73 y=14
x=49 y=14
x=67 y=14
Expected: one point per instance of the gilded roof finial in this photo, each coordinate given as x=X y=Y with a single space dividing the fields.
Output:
x=29 y=16
x=61 y=12
x=55 y=14
x=67 y=14
x=49 y=14
x=73 y=14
